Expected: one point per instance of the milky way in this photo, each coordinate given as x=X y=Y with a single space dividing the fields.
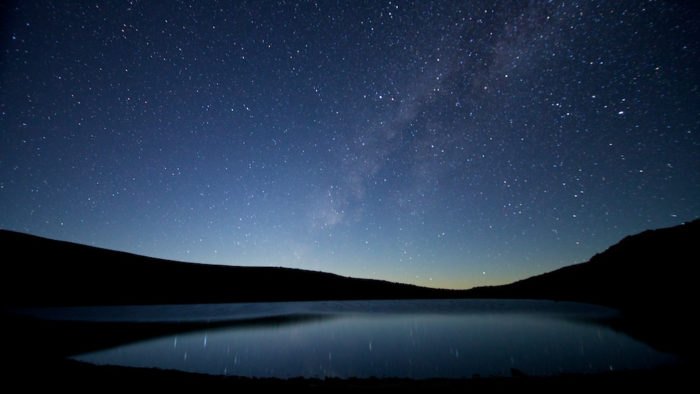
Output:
x=440 y=143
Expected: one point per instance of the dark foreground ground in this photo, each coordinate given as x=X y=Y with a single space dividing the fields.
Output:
x=77 y=376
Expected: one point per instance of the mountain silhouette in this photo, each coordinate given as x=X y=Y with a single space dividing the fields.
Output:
x=40 y=271
x=650 y=271
x=649 y=277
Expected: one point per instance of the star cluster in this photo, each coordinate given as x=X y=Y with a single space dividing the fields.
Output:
x=439 y=143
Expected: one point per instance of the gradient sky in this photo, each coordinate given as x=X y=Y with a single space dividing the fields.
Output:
x=439 y=143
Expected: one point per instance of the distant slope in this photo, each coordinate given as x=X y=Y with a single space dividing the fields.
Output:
x=40 y=271
x=649 y=272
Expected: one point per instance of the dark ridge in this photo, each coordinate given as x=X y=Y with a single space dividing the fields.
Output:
x=40 y=271
x=649 y=277
x=650 y=271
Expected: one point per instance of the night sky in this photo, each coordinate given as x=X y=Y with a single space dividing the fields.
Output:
x=439 y=143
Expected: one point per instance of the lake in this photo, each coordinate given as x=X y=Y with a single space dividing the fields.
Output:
x=408 y=339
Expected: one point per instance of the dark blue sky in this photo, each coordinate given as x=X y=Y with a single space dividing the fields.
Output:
x=440 y=143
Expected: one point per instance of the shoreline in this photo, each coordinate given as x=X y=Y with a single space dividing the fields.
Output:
x=78 y=375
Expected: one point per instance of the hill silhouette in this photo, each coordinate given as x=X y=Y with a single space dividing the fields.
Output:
x=650 y=271
x=648 y=276
x=41 y=271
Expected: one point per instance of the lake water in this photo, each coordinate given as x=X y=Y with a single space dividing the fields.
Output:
x=414 y=339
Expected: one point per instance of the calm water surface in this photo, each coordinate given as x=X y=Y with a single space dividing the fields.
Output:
x=415 y=339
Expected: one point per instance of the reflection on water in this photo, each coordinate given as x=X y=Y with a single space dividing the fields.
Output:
x=364 y=339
